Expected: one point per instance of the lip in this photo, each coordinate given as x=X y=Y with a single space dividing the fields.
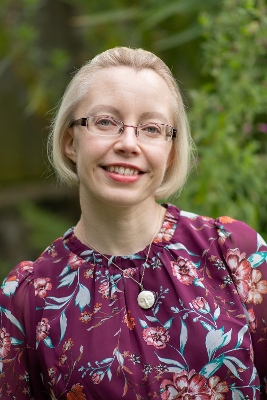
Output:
x=122 y=178
x=124 y=165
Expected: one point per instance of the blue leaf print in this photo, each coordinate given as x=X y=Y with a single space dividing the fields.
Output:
x=237 y=395
x=9 y=286
x=254 y=375
x=119 y=356
x=63 y=325
x=197 y=282
x=209 y=369
x=106 y=361
x=231 y=367
x=260 y=241
x=217 y=339
x=257 y=258
x=217 y=313
x=68 y=279
x=12 y=319
x=237 y=361
x=65 y=270
x=180 y=246
x=15 y=341
x=143 y=323
x=83 y=297
x=109 y=374
x=60 y=299
x=183 y=337
x=241 y=335
x=188 y=214
x=168 y=324
x=207 y=326
x=87 y=252
x=48 y=342
x=171 y=362
x=152 y=319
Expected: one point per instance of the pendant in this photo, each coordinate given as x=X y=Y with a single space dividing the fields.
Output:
x=146 y=299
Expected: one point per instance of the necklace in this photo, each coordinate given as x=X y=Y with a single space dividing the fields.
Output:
x=145 y=298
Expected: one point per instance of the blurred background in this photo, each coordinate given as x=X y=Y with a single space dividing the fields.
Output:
x=217 y=50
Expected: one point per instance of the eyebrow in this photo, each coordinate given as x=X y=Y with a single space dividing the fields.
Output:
x=114 y=110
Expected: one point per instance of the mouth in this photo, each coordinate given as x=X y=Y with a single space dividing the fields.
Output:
x=127 y=171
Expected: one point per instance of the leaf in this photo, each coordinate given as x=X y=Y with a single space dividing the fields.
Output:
x=197 y=282
x=216 y=339
x=106 y=361
x=257 y=258
x=12 y=319
x=68 y=279
x=260 y=241
x=15 y=341
x=180 y=246
x=143 y=323
x=60 y=299
x=207 y=326
x=168 y=324
x=119 y=356
x=240 y=335
x=63 y=325
x=232 y=368
x=170 y=362
x=253 y=375
x=65 y=270
x=86 y=253
x=183 y=337
x=209 y=369
x=151 y=319
x=237 y=395
x=237 y=361
x=48 y=342
x=217 y=313
x=83 y=297
x=109 y=374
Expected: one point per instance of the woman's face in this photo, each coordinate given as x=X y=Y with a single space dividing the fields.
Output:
x=134 y=98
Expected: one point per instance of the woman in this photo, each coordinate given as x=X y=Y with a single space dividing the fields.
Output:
x=138 y=300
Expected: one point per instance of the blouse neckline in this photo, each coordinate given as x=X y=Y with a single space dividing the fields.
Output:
x=164 y=237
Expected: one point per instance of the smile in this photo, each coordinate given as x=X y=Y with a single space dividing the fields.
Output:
x=122 y=171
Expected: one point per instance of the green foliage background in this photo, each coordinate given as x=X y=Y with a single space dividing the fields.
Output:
x=217 y=50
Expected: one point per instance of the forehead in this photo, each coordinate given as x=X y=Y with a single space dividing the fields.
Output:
x=124 y=88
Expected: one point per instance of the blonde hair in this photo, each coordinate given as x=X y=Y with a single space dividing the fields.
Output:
x=138 y=59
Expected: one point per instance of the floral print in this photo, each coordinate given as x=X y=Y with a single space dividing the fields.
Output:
x=71 y=327
x=184 y=270
x=41 y=286
x=157 y=337
x=5 y=343
x=257 y=288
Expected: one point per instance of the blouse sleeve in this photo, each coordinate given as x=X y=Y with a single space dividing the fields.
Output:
x=19 y=370
x=245 y=254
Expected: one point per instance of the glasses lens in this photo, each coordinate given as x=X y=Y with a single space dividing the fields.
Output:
x=153 y=132
x=103 y=125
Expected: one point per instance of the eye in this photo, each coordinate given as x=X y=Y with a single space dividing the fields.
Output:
x=152 y=129
x=105 y=122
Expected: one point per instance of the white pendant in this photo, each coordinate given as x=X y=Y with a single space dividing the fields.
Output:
x=146 y=299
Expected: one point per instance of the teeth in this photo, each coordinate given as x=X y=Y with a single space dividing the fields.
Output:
x=122 y=170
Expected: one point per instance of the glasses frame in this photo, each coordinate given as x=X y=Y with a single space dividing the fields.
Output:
x=83 y=122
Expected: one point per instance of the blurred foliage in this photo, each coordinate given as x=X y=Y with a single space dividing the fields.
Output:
x=216 y=48
x=228 y=116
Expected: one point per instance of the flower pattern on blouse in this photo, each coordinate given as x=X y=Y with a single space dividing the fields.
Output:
x=71 y=327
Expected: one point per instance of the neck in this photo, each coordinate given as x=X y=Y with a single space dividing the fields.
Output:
x=119 y=230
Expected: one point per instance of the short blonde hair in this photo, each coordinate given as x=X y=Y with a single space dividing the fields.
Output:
x=138 y=59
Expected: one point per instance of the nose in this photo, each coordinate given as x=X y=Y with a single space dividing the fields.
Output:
x=127 y=143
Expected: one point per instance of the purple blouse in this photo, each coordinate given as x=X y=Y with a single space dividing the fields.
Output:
x=71 y=327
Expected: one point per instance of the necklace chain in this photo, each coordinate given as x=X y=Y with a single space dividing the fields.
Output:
x=140 y=284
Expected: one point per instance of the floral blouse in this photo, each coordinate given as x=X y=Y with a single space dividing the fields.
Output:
x=71 y=327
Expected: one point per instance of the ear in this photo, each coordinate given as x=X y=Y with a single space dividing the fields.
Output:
x=68 y=145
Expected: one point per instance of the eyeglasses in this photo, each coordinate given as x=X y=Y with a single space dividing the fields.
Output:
x=104 y=125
